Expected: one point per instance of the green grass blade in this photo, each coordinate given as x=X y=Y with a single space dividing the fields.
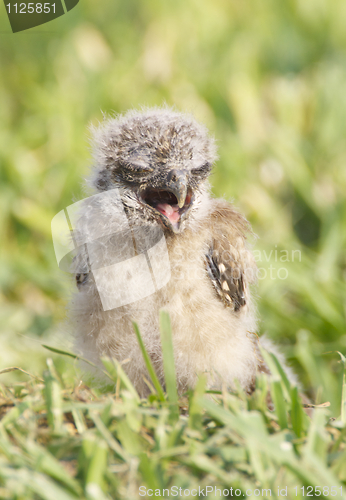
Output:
x=92 y=465
x=65 y=353
x=195 y=411
x=53 y=399
x=276 y=369
x=168 y=361
x=14 y=414
x=75 y=356
x=108 y=437
x=15 y=368
x=98 y=464
x=116 y=371
x=296 y=412
x=318 y=439
x=39 y=484
x=343 y=390
x=279 y=403
x=46 y=463
x=148 y=364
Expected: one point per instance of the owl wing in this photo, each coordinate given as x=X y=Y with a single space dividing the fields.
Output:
x=226 y=274
x=229 y=263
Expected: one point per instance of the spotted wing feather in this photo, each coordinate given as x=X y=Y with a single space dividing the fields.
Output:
x=226 y=274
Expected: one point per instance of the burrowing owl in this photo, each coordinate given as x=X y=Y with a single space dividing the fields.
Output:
x=152 y=168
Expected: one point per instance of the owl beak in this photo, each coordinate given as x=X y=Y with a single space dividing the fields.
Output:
x=172 y=200
x=178 y=185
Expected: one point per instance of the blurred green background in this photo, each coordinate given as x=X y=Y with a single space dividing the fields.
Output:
x=269 y=80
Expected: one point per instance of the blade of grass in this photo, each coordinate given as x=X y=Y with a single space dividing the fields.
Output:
x=195 y=411
x=276 y=369
x=65 y=353
x=45 y=462
x=14 y=368
x=38 y=483
x=53 y=397
x=108 y=437
x=75 y=356
x=279 y=403
x=343 y=390
x=92 y=464
x=131 y=441
x=148 y=364
x=12 y=415
x=79 y=420
x=318 y=438
x=296 y=412
x=98 y=464
x=115 y=372
x=168 y=362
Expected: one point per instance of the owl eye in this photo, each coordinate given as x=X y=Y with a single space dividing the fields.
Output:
x=203 y=170
x=136 y=166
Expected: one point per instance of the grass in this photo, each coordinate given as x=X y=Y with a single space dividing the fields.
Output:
x=59 y=441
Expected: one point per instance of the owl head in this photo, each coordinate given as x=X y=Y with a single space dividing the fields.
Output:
x=159 y=160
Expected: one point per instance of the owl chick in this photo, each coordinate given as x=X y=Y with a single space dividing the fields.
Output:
x=152 y=169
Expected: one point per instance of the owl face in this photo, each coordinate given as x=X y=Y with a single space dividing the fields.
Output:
x=159 y=160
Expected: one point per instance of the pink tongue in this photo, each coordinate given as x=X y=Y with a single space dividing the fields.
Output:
x=170 y=212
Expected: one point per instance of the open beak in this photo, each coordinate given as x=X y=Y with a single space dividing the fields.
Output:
x=172 y=200
x=177 y=184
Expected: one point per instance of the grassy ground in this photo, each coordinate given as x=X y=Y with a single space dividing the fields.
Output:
x=60 y=441
x=268 y=79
